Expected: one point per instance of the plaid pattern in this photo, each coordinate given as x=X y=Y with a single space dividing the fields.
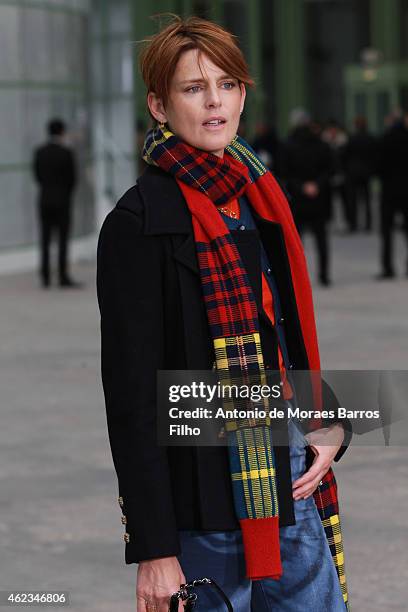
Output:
x=325 y=496
x=205 y=180
x=243 y=153
x=253 y=473
x=233 y=320
x=219 y=180
x=332 y=528
x=227 y=294
x=228 y=356
x=327 y=504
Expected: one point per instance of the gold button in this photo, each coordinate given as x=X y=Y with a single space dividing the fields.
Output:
x=120 y=501
x=126 y=537
x=124 y=520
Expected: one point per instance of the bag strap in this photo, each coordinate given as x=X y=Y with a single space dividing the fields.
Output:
x=191 y=598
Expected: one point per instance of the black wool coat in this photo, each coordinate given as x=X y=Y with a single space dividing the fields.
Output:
x=153 y=317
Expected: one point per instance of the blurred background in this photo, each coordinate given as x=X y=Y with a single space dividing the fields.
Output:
x=75 y=59
x=332 y=90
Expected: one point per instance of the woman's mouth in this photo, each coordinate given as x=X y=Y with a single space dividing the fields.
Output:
x=214 y=124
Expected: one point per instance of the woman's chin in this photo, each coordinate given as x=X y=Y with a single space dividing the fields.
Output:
x=213 y=144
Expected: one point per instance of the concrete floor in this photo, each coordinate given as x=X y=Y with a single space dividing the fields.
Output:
x=59 y=519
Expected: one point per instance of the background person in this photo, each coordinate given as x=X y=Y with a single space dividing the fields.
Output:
x=336 y=137
x=55 y=172
x=360 y=163
x=267 y=145
x=307 y=172
x=393 y=155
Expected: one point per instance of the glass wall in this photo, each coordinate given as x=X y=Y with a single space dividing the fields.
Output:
x=113 y=125
x=43 y=73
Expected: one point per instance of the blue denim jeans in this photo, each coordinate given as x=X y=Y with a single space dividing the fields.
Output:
x=309 y=580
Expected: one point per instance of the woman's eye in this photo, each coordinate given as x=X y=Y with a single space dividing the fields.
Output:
x=227 y=85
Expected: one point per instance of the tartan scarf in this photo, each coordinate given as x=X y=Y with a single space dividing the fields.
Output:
x=207 y=181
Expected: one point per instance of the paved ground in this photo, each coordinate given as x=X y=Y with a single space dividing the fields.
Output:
x=59 y=520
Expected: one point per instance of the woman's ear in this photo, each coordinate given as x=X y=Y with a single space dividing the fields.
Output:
x=156 y=107
x=243 y=96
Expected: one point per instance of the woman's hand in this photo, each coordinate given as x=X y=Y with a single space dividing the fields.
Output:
x=325 y=443
x=157 y=580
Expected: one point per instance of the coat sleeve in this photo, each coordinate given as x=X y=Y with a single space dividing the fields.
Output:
x=129 y=288
x=330 y=402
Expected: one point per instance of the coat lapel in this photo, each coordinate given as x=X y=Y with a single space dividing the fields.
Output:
x=186 y=254
x=166 y=212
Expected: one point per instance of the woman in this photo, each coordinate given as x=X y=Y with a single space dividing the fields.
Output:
x=205 y=193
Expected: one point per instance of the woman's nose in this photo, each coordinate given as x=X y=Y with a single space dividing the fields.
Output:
x=213 y=97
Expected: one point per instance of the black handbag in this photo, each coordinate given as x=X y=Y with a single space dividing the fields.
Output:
x=187 y=594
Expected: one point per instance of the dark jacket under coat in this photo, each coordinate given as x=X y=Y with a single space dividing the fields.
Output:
x=153 y=317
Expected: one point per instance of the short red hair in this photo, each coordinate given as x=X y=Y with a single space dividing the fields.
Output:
x=158 y=58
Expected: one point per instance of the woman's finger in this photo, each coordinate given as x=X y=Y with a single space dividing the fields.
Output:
x=140 y=604
x=152 y=604
x=308 y=489
x=156 y=606
x=319 y=465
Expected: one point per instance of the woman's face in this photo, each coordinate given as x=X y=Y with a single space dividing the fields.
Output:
x=196 y=98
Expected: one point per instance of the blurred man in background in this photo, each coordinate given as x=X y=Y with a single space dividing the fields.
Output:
x=266 y=144
x=336 y=137
x=393 y=164
x=307 y=168
x=54 y=171
x=359 y=165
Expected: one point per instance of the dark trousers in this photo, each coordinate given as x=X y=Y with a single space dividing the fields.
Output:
x=358 y=193
x=318 y=227
x=50 y=221
x=390 y=206
x=341 y=191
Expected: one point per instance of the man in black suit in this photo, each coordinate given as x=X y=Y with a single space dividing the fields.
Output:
x=360 y=160
x=54 y=171
x=307 y=168
x=393 y=155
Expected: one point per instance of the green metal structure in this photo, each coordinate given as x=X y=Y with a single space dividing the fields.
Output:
x=375 y=91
